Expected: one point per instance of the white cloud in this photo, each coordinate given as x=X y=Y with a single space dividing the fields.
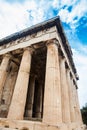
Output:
x=64 y=14
x=61 y=3
x=12 y=18
x=68 y=2
x=79 y=9
x=17 y=16
x=56 y=3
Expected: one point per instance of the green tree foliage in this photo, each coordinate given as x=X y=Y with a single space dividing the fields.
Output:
x=84 y=114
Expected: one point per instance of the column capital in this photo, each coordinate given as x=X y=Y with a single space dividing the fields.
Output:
x=7 y=55
x=61 y=54
x=52 y=41
x=62 y=60
x=68 y=71
x=30 y=49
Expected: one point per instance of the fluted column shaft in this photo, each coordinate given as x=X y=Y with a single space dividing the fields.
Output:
x=77 y=107
x=73 y=99
x=64 y=92
x=72 y=112
x=17 y=106
x=52 y=95
x=3 y=72
x=38 y=108
x=30 y=100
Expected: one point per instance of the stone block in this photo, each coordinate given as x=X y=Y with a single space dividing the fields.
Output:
x=40 y=127
x=59 y=127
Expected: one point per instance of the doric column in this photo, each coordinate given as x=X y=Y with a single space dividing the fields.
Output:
x=38 y=108
x=64 y=92
x=77 y=107
x=3 y=71
x=52 y=95
x=72 y=112
x=73 y=99
x=18 y=102
x=30 y=97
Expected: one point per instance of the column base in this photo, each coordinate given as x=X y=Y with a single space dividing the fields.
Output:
x=7 y=124
x=28 y=113
x=38 y=114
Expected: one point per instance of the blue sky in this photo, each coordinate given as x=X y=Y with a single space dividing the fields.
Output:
x=16 y=15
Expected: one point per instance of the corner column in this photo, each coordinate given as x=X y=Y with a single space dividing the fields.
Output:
x=64 y=92
x=3 y=72
x=52 y=96
x=18 y=102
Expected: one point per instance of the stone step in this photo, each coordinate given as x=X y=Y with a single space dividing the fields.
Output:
x=3 y=128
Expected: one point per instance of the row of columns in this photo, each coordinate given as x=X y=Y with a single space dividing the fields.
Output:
x=58 y=95
x=59 y=102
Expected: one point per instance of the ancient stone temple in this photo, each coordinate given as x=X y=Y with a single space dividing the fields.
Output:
x=38 y=80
